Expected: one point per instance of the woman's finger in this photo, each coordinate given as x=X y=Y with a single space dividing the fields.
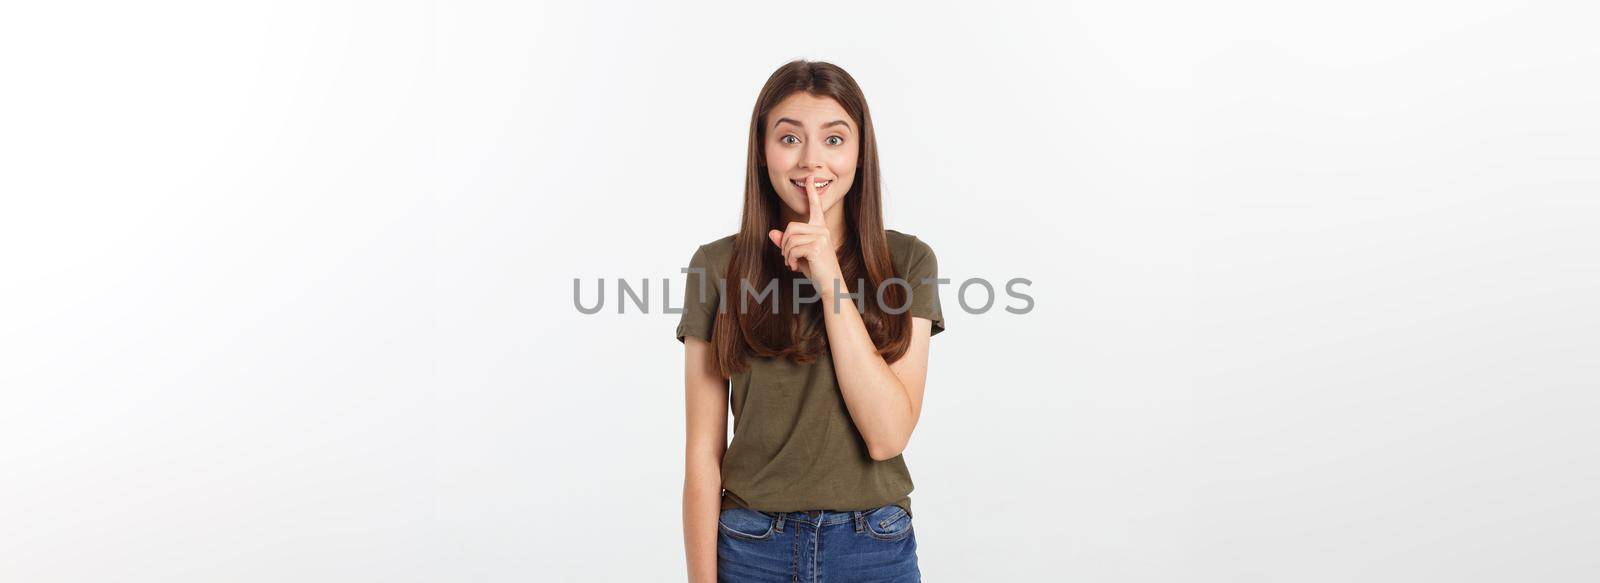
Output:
x=797 y=239
x=815 y=202
x=799 y=227
x=796 y=248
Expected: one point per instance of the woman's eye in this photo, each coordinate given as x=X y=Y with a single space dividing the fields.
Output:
x=786 y=139
x=835 y=140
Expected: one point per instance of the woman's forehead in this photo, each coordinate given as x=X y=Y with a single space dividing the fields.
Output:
x=809 y=110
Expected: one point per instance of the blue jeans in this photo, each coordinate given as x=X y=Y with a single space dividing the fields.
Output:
x=820 y=546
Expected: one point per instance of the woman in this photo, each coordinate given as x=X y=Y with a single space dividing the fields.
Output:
x=816 y=320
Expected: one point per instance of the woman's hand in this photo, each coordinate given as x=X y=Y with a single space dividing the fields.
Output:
x=808 y=247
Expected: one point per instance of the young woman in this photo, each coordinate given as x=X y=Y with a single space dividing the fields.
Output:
x=816 y=320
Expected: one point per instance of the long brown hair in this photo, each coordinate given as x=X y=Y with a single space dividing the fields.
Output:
x=801 y=336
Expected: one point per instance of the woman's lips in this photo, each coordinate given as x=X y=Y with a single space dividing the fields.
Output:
x=801 y=185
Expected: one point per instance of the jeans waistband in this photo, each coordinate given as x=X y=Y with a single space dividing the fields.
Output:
x=821 y=518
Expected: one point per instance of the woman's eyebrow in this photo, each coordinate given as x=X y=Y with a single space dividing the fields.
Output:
x=837 y=122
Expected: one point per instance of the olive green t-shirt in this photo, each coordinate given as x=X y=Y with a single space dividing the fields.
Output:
x=794 y=445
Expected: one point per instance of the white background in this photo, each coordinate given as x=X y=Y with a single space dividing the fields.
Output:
x=286 y=287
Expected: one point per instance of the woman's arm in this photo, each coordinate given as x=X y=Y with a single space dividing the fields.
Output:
x=885 y=400
x=706 y=438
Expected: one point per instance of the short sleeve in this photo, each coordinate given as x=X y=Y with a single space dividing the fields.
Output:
x=922 y=267
x=700 y=298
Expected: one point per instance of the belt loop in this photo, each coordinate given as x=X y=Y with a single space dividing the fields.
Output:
x=779 y=527
x=860 y=520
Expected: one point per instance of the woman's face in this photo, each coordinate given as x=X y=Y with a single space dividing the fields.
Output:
x=810 y=136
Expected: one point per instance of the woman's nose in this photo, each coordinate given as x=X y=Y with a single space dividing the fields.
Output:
x=809 y=158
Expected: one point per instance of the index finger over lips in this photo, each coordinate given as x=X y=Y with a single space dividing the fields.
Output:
x=814 y=202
